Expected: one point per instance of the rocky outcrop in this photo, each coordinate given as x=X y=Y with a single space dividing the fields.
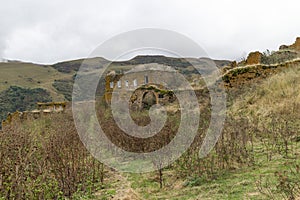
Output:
x=284 y=47
x=295 y=46
x=234 y=78
x=254 y=58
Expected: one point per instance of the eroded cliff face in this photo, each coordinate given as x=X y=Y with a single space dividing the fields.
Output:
x=285 y=53
x=295 y=46
x=254 y=58
x=249 y=74
x=259 y=65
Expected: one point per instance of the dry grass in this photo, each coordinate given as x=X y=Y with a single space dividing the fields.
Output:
x=279 y=94
x=31 y=76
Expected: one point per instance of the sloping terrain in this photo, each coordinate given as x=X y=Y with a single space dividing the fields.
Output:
x=29 y=75
x=24 y=84
x=257 y=156
x=58 y=79
x=272 y=108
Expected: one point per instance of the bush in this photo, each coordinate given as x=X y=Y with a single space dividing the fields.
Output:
x=64 y=87
x=46 y=160
x=21 y=99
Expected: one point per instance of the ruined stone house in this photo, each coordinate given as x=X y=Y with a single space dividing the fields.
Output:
x=42 y=109
x=145 y=85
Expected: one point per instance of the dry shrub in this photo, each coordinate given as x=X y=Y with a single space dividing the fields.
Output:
x=45 y=159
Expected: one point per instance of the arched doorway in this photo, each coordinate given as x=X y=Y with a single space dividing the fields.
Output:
x=149 y=99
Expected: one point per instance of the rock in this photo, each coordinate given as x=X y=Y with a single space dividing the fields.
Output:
x=254 y=58
x=296 y=45
x=149 y=99
x=283 y=47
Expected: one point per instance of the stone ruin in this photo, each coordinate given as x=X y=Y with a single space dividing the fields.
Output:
x=141 y=84
x=42 y=109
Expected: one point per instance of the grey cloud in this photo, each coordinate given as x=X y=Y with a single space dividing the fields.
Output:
x=52 y=31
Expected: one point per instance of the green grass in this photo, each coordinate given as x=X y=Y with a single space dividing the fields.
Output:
x=276 y=95
x=28 y=75
x=235 y=184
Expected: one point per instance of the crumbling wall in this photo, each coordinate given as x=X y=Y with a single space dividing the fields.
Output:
x=52 y=106
x=137 y=84
x=43 y=109
x=142 y=96
x=242 y=75
x=111 y=78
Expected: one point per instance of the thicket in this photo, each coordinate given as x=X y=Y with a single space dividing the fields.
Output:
x=275 y=57
x=21 y=99
x=64 y=87
x=45 y=159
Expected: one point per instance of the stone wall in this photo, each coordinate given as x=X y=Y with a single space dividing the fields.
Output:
x=236 y=77
x=42 y=109
x=150 y=94
x=111 y=81
x=52 y=106
x=140 y=85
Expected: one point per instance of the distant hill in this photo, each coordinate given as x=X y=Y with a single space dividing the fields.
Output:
x=57 y=80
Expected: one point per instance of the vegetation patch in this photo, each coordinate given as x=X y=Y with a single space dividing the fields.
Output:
x=21 y=99
x=64 y=87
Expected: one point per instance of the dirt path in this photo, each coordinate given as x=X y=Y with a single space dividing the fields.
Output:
x=121 y=188
x=124 y=190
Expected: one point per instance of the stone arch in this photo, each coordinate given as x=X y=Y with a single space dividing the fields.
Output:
x=148 y=99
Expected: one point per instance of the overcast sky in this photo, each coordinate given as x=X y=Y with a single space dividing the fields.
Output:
x=55 y=30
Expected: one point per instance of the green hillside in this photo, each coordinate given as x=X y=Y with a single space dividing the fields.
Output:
x=29 y=75
x=21 y=99
x=58 y=79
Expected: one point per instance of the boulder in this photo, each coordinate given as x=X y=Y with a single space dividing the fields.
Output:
x=254 y=58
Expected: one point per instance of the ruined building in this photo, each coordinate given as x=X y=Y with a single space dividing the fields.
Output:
x=144 y=85
x=42 y=109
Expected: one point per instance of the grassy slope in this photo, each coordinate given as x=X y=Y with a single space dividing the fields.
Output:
x=279 y=95
x=236 y=184
x=30 y=75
